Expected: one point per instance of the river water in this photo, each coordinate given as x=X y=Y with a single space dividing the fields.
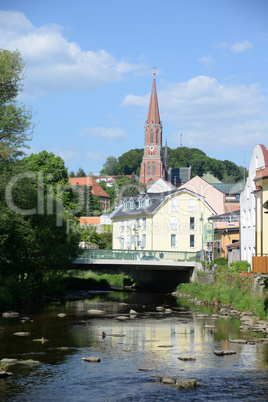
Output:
x=132 y=353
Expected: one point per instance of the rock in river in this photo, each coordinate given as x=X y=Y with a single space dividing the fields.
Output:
x=184 y=383
x=187 y=358
x=21 y=333
x=91 y=359
x=4 y=373
x=223 y=352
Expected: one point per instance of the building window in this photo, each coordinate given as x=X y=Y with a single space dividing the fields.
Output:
x=173 y=223
x=122 y=225
x=174 y=204
x=128 y=225
x=141 y=203
x=128 y=241
x=173 y=240
x=132 y=204
x=122 y=242
x=137 y=224
x=149 y=169
x=143 y=223
x=154 y=169
x=157 y=137
x=143 y=241
x=191 y=205
x=192 y=241
x=192 y=223
x=152 y=137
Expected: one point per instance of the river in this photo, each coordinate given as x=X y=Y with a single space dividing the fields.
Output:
x=133 y=353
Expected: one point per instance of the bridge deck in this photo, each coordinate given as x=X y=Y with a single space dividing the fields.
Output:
x=139 y=264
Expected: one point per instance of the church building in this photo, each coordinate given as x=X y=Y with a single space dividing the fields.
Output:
x=154 y=165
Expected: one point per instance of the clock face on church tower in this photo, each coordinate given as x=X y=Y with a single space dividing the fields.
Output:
x=151 y=148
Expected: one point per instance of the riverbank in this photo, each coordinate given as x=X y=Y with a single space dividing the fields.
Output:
x=249 y=321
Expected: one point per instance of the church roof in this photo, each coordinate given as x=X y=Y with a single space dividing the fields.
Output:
x=153 y=113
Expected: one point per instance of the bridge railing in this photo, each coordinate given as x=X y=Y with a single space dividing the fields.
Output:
x=138 y=255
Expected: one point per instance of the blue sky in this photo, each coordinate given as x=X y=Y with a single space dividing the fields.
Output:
x=89 y=73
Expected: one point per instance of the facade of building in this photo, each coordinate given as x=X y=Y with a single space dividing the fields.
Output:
x=259 y=159
x=261 y=195
x=226 y=232
x=96 y=190
x=170 y=221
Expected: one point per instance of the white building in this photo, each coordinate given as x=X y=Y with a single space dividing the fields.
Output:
x=259 y=159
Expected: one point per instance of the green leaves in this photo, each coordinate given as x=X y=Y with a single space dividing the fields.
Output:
x=15 y=120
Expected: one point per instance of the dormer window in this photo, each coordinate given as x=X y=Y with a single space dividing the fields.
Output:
x=141 y=203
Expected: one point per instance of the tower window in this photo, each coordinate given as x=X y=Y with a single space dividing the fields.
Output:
x=152 y=137
x=157 y=136
x=154 y=169
x=149 y=169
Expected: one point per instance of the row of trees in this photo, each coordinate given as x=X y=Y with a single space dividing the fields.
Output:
x=130 y=162
x=39 y=229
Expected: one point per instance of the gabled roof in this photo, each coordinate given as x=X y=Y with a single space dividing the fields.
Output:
x=208 y=177
x=89 y=182
x=160 y=186
x=120 y=212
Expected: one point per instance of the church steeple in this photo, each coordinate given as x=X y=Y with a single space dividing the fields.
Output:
x=152 y=166
x=153 y=113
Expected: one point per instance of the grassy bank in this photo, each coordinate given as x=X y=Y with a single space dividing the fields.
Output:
x=13 y=292
x=230 y=288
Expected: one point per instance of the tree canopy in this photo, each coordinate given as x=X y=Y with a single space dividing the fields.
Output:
x=15 y=120
x=130 y=162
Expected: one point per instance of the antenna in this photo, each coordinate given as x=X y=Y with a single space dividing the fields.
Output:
x=244 y=168
x=181 y=138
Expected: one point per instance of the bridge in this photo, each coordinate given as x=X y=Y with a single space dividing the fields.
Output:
x=152 y=270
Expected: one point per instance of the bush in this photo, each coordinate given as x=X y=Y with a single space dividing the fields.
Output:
x=239 y=266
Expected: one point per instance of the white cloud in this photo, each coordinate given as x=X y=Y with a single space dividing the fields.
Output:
x=237 y=47
x=210 y=114
x=55 y=64
x=110 y=133
x=206 y=61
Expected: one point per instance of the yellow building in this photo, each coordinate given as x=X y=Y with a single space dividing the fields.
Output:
x=170 y=222
x=260 y=262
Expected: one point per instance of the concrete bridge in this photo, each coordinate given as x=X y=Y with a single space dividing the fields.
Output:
x=151 y=270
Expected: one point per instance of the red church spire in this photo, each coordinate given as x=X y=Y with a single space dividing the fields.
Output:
x=153 y=113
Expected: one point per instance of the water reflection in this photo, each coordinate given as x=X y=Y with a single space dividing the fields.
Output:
x=131 y=351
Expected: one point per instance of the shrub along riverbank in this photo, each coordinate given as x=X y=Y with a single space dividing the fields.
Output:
x=229 y=287
x=14 y=292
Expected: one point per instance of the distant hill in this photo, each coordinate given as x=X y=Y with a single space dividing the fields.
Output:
x=130 y=162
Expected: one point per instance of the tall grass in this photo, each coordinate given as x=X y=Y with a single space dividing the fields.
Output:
x=229 y=288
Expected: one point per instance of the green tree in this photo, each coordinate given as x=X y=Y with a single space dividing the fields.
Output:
x=130 y=162
x=109 y=190
x=34 y=238
x=110 y=167
x=91 y=205
x=15 y=120
x=51 y=166
x=80 y=173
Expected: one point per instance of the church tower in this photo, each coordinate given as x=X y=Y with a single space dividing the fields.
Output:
x=153 y=165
